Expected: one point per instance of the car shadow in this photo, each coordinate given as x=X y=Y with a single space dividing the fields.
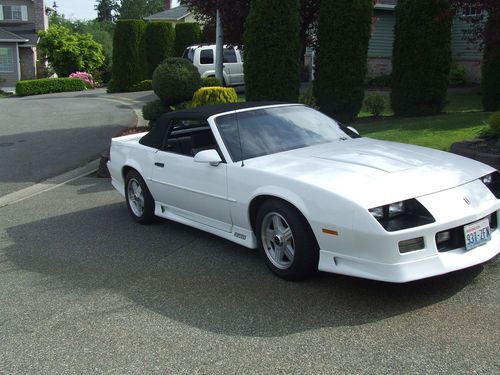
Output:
x=203 y=281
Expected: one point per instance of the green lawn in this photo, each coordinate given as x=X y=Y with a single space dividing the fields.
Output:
x=463 y=119
x=456 y=102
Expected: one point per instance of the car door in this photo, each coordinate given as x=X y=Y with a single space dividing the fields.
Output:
x=195 y=191
x=232 y=67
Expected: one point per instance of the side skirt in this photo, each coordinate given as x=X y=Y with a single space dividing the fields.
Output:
x=236 y=234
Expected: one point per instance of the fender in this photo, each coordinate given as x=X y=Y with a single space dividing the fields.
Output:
x=284 y=194
x=211 y=73
x=129 y=163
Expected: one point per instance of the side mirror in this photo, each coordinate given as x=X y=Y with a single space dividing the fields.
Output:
x=353 y=130
x=209 y=157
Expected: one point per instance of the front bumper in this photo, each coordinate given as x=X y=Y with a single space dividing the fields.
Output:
x=405 y=271
x=374 y=254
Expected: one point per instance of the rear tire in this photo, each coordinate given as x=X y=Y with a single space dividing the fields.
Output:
x=140 y=203
x=286 y=241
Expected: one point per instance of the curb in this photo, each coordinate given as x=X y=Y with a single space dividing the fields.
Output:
x=49 y=184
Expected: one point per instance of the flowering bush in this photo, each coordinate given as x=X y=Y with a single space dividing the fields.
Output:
x=85 y=77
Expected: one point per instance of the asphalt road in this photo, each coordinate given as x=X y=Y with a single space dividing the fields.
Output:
x=85 y=290
x=47 y=135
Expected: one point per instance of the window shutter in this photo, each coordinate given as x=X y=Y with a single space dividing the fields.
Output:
x=1 y=12
x=24 y=12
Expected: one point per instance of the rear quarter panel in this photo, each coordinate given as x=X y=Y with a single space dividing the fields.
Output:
x=128 y=152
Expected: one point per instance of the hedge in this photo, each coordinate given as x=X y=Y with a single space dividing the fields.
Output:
x=421 y=58
x=175 y=81
x=272 y=62
x=145 y=85
x=186 y=34
x=214 y=95
x=152 y=111
x=128 y=56
x=210 y=82
x=343 y=35
x=49 y=85
x=159 y=40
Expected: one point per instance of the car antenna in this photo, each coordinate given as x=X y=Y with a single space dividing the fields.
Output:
x=239 y=135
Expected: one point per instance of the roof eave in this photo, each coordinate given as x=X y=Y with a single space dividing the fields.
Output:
x=14 y=40
x=385 y=7
x=152 y=18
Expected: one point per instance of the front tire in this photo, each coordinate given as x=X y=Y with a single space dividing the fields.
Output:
x=286 y=241
x=140 y=203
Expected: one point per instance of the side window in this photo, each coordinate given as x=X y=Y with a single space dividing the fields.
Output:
x=6 y=60
x=206 y=56
x=229 y=55
x=188 y=137
x=15 y=12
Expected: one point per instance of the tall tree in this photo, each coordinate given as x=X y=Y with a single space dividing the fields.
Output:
x=272 y=50
x=128 y=55
x=186 y=34
x=235 y=12
x=158 y=44
x=421 y=57
x=138 y=9
x=343 y=35
x=68 y=52
x=490 y=77
x=106 y=9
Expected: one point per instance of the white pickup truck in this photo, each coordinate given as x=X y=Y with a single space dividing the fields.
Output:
x=203 y=57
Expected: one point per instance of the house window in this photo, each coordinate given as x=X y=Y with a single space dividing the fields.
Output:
x=14 y=13
x=6 y=60
x=472 y=12
x=206 y=56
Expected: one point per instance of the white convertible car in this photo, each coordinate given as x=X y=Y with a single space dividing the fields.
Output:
x=310 y=193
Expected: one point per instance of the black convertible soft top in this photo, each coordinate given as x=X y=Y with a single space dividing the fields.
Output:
x=155 y=136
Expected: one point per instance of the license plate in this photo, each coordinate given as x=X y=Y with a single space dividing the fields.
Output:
x=477 y=233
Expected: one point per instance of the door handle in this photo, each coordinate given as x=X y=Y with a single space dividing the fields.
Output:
x=161 y=165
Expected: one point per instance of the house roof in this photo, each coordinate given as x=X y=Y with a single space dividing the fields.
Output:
x=173 y=14
x=22 y=34
x=7 y=36
x=386 y=4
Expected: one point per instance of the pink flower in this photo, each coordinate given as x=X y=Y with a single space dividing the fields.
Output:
x=85 y=77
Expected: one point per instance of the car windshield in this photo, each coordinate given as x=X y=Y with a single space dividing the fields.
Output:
x=277 y=129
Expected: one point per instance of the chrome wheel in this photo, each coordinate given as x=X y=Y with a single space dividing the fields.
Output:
x=277 y=239
x=135 y=197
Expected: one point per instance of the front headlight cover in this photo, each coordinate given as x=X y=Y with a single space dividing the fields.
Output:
x=402 y=215
x=492 y=182
x=388 y=211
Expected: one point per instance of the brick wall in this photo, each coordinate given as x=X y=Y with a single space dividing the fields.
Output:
x=378 y=66
x=28 y=63
x=41 y=20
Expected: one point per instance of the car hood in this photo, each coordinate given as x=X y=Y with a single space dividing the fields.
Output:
x=371 y=172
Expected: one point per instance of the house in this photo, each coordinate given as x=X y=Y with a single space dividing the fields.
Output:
x=179 y=14
x=380 y=48
x=20 y=21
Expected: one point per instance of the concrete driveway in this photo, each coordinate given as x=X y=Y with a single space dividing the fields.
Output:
x=86 y=290
x=46 y=135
